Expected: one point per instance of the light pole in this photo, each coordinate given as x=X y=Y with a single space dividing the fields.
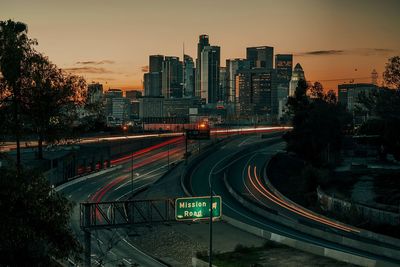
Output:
x=211 y=220
x=132 y=174
x=168 y=156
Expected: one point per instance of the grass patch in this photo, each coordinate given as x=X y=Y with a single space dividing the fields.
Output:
x=242 y=256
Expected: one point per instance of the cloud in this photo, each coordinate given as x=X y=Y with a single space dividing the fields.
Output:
x=95 y=62
x=374 y=51
x=145 y=68
x=356 y=51
x=92 y=70
x=104 y=79
x=323 y=52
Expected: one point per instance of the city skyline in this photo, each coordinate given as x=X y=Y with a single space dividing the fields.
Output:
x=106 y=45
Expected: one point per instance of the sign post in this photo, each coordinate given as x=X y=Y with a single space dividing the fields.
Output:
x=197 y=208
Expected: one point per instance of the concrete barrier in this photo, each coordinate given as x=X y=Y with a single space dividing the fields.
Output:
x=307 y=247
x=196 y=262
x=363 y=234
x=308 y=230
x=86 y=177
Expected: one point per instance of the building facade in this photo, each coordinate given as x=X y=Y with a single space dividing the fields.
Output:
x=284 y=69
x=210 y=67
x=203 y=42
x=172 y=77
x=297 y=75
x=151 y=107
x=348 y=93
x=152 y=80
x=256 y=88
x=233 y=66
x=133 y=94
x=95 y=93
x=188 y=76
x=260 y=56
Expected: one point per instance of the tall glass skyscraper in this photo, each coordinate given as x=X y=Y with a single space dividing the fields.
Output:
x=260 y=56
x=203 y=42
x=210 y=68
x=188 y=76
x=172 y=77
x=284 y=67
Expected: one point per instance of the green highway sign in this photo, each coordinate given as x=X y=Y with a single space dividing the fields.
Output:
x=197 y=208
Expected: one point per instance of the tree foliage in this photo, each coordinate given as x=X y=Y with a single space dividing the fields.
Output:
x=35 y=91
x=318 y=124
x=34 y=227
x=391 y=74
x=51 y=99
x=383 y=107
x=14 y=45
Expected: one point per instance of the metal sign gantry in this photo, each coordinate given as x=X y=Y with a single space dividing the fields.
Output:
x=118 y=214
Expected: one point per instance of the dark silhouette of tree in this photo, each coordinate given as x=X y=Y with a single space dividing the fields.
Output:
x=383 y=109
x=51 y=100
x=318 y=124
x=391 y=75
x=14 y=45
x=35 y=220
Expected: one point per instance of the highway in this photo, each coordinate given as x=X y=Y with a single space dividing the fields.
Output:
x=244 y=174
x=111 y=247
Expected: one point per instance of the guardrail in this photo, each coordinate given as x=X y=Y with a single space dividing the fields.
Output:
x=273 y=216
x=363 y=234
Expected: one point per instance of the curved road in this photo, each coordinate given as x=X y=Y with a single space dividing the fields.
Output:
x=243 y=174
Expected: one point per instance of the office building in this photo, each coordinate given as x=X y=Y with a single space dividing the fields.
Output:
x=233 y=66
x=179 y=107
x=155 y=63
x=133 y=94
x=188 y=76
x=151 y=107
x=172 y=77
x=210 y=67
x=348 y=93
x=203 y=42
x=223 y=92
x=260 y=56
x=297 y=75
x=256 y=88
x=284 y=69
x=152 y=84
x=152 y=80
x=95 y=93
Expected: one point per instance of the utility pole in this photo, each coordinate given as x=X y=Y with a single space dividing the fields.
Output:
x=211 y=220
x=132 y=174
x=186 y=148
x=168 y=156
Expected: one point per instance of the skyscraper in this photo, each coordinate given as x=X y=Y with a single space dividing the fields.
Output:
x=95 y=92
x=188 y=76
x=298 y=74
x=172 y=77
x=284 y=68
x=155 y=63
x=232 y=68
x=210 y=66
x=203 y=42
x=260 y=56
x=153 y=79
x=223 y=93
x=133 y=94
x=255 y=92
x=152 y=84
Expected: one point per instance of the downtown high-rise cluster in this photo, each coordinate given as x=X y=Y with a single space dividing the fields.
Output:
x=255 y=87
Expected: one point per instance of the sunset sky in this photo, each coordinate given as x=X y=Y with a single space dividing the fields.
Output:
x=110 y=41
